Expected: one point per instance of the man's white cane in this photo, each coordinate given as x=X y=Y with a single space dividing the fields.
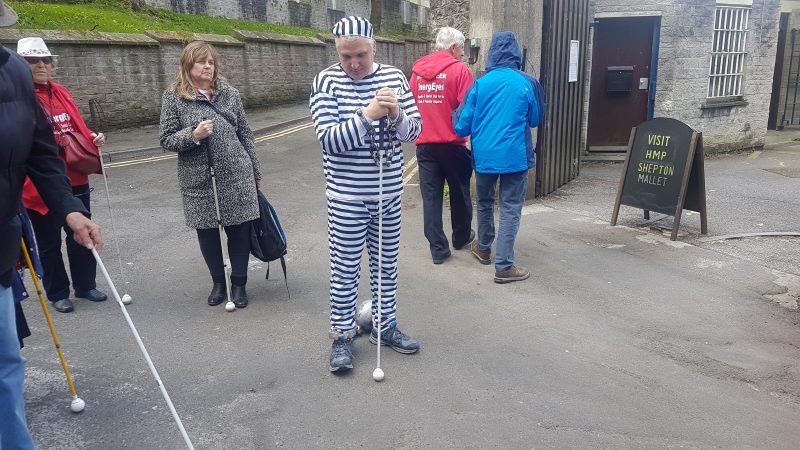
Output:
x=378 y=374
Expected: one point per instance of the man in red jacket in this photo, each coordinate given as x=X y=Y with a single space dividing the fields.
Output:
x=439 y=82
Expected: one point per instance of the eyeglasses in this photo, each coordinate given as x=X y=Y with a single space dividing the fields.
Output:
x=33 y=60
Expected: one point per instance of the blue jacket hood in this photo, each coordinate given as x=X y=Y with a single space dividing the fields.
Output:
x=504 y=51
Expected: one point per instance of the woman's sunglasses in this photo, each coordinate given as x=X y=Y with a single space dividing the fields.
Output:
x=33 y=60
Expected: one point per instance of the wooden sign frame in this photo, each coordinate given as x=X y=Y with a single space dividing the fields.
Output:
x=692 y=193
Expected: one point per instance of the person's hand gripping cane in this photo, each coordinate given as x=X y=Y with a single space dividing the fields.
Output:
x=203 y=130
x=86 y=232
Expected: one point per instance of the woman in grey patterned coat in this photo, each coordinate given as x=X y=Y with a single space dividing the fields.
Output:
x=200 y=112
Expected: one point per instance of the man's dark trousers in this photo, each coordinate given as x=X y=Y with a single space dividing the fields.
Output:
x=437 y=163
x=82 y=265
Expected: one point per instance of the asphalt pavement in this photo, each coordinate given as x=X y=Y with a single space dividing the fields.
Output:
x=621 y=338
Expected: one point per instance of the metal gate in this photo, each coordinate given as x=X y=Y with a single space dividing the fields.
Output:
x=789 y=105
x=558 y=140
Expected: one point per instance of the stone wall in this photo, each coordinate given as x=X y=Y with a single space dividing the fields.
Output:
x=487 y=17
x=117 y=79
x=450 y=13
x=319 y=14
x=683 y=67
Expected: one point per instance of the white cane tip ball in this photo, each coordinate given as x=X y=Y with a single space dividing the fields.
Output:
x=377 y=374
x=77 y=405
x=229 y=306
x=127 y=299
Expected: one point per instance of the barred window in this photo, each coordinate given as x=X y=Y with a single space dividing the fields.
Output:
x=728 y=51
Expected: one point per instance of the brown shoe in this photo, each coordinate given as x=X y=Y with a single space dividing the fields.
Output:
x=513 y=274
x=483 y=257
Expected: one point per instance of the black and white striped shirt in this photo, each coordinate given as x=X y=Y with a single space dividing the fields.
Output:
x=350 y=170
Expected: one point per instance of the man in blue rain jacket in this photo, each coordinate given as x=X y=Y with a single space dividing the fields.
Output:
x=499 y=112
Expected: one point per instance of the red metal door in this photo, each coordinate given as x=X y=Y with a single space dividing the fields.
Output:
x=620 y=80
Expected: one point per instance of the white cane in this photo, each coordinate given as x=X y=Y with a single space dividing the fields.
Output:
x=144 y=351
x=126 y=298
x=229 y=306
x=378 y=374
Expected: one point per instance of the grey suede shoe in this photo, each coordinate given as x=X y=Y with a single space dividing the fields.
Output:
x=513 y=274
x=482 y=257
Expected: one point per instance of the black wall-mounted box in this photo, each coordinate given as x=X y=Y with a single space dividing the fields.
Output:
x=619 y=79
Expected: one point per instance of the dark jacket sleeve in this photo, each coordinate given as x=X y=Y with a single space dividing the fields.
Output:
x=27 y=148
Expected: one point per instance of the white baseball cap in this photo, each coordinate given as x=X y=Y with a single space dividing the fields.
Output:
x=7 y=15
x=33 y=46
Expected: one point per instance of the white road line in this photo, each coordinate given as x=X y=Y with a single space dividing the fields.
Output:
x=410 y=174
x=157 y=158
x=141 y=161
x=284 y=132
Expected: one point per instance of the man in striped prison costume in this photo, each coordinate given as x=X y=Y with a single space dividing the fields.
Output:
x=352 y=104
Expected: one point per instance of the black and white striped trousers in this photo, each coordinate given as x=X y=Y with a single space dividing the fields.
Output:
x=351 y=223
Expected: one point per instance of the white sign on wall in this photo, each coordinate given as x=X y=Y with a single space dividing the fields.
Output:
x=574 y=46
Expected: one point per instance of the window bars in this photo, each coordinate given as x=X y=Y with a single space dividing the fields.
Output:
x=728 y=51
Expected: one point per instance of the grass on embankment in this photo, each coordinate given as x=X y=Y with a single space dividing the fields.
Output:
x=116 y=16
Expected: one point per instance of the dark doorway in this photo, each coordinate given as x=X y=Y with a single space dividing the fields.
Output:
x=622 y=89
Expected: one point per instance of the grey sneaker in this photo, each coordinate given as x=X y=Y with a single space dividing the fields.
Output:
x=513 y=274
x=396 y=339
x=483 y=257
x=341 y=354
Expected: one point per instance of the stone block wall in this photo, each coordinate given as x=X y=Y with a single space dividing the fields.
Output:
x=686 y=38
x=117 y=79
x=308 y=13
x=275 y=11
x=450 y=13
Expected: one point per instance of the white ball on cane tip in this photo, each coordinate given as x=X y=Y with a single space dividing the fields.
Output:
x=127 y=299
x=229 y=306
x=77 y=405
x=377 y=374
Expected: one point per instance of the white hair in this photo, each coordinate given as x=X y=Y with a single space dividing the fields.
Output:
x=353 y=38
x=447 y=36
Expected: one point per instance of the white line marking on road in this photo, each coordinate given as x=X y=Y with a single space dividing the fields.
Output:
x=141 y=161
x=755 y=154
x=157 y=158
x=410 y=175
x=284 y=132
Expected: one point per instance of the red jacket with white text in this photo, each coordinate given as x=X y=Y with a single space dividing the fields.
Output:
x=439 y=82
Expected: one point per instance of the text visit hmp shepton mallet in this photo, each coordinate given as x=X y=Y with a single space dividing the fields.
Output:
x=664 y=172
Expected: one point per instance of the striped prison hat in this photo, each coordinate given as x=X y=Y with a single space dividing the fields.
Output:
x=353 y=26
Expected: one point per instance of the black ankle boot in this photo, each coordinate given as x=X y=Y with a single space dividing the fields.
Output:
x=239 y=295
x=217 y=295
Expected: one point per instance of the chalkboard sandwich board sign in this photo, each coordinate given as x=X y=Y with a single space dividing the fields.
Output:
x=664 y=172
